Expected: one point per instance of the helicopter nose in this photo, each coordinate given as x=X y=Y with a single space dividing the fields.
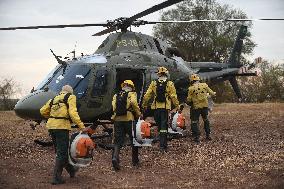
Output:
x=28 y=107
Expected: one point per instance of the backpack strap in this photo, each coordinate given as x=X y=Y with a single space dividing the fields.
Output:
x=51 y=102
x=130 y=109
x=65 y=99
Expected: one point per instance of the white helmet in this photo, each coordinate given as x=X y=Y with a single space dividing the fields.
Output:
x=81 y=150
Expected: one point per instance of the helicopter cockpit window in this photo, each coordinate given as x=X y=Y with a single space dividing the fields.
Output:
x=100 y=83
x=48 y=77
x=77 y=76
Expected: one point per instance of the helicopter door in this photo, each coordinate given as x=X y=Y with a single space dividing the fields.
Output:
x=136 y=75
x=100 y=91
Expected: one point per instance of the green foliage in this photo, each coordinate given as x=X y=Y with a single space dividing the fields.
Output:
x=224 y=92
x=203 y=41
x=213 y=41
x=269 y=86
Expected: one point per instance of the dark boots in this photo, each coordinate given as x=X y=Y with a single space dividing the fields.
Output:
x=208 y=137
x=58 y=168
x=163 y=142
x=57 y=172
x=207 y=129
x=135 y=159
x=115 y=158
x=71 y=169
x=195 y=132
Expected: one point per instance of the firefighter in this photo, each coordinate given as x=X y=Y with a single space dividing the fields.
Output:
x=164 y=93
x=126 y=109
x=197 y=99
x=60 y=112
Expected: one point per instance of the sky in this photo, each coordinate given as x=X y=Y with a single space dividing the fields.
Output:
x=25 y=54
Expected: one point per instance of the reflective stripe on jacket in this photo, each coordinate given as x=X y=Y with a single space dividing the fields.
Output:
x=131 y=105
x=197 y=94
x=59 y=115
x=171 y=96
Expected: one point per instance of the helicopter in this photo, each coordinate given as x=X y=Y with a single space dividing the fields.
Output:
x=124 y=55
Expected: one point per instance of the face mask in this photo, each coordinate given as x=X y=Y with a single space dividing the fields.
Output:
x=127 y=89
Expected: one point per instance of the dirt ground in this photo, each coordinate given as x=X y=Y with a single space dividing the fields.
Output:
x=247 y=151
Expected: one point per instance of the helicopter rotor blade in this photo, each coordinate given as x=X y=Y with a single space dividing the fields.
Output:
x=111 y=29
x=153 y=9
x=256 y=19
x=180 y=21
x=54 y=26
x=129 y=20
x=105 y=31
x=212 y=20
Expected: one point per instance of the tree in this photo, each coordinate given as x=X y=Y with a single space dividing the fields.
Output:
x=203 y=41
x=269 y=86
x=224 y=92
x=8 y=89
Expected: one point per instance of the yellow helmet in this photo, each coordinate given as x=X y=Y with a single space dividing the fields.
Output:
x=194 y=77
x=162 y=70
x=127 y=82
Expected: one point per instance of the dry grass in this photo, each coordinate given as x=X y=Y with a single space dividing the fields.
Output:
x=247 y=151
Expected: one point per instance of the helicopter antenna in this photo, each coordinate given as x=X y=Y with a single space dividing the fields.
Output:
x=74 y=51
x=58 y=58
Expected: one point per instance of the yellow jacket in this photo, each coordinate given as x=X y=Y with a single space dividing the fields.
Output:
x=197 y=94
x=171 y=96
x=59 y=109
x=131 y=105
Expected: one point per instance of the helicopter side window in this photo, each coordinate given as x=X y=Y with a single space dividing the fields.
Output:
x=82 y=85
x=100 y=83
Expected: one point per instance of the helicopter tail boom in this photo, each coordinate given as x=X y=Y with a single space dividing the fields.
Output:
x=234 y=63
